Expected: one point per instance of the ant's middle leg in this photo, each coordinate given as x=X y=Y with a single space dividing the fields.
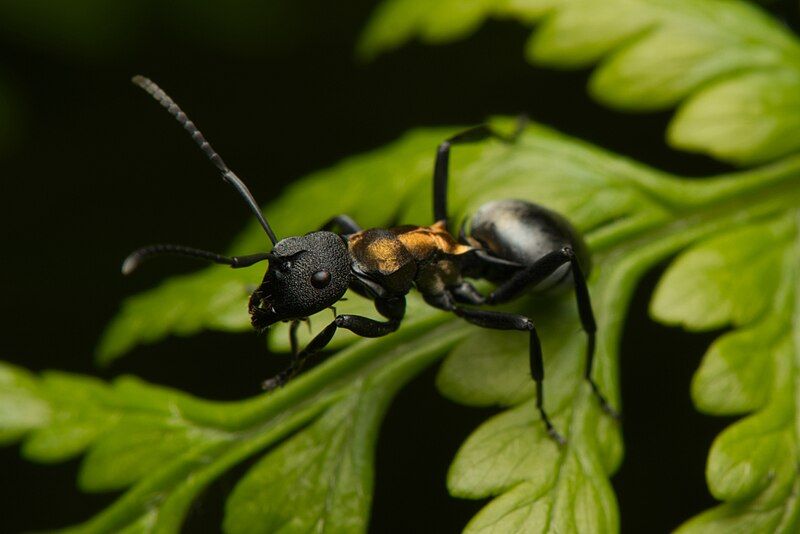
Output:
x=506 y=321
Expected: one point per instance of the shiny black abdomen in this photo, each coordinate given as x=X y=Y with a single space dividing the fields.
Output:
x=523 y=232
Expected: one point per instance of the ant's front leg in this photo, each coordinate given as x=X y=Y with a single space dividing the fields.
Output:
x=279 y=379
x=505 y=321
x=344 y=223
x=392 y=308
x=295 y=348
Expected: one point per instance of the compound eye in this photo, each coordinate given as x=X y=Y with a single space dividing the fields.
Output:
x=321 y=279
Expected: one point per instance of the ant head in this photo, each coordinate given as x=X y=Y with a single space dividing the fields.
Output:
x=306 y=275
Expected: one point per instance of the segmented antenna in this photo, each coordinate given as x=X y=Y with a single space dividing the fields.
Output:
x=228 y=175
x=136 y=257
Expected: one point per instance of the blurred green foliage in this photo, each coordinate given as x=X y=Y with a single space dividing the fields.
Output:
x=731 y=69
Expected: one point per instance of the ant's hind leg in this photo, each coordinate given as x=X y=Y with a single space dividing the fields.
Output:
x=590 y=327
x=532 y=275
x=441 y=167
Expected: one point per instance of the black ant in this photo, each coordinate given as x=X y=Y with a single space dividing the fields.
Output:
x=515 y=244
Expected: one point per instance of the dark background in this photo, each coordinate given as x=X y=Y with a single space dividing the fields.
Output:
x=91 y=169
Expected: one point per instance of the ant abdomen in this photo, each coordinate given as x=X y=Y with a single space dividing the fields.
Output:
x=523 y=232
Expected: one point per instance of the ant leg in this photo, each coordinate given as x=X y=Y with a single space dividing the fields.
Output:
x=465 y=293
x=295 y=350
x=440 y=168
x=506 y=321
x=344 y=222
x=590 y=327
x=393 y=309
x=293 y=337
x=298 y=360
x=529 y=276
x=537 y=272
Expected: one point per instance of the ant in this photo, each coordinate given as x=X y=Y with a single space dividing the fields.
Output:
x=514 y=244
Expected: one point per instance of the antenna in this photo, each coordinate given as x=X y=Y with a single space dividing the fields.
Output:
x=228 y=175
x=136 y=257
